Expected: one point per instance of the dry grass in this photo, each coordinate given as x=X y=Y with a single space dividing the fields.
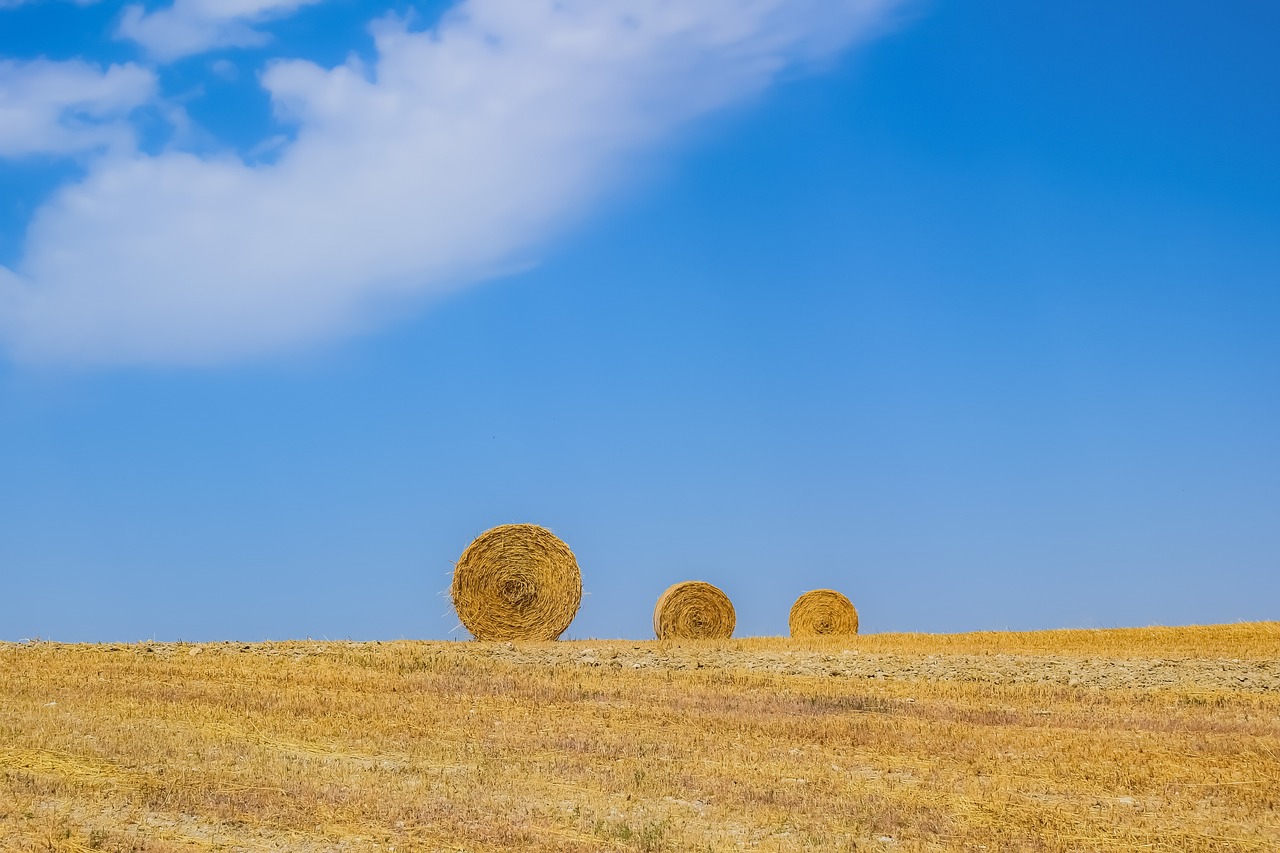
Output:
x=1151 y=739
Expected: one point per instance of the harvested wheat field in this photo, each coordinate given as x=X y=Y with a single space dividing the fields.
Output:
x=1118 y=740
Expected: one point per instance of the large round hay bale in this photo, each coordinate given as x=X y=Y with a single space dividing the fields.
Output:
x=693 y=610
x=517 y=582
x=823 y=613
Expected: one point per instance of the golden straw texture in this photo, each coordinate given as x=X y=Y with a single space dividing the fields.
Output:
x=693 y=610
x=517 y=582
x=823 y=613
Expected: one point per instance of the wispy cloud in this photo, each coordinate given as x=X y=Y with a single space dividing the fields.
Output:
x=456 y=154
x=194 y=26
x=68 y=107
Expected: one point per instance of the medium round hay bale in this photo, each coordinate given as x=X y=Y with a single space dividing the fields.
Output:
x=823 y=613
x=517 y=582
x=693 y=610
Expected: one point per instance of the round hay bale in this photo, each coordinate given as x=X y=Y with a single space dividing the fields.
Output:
x=517 y=582
x=823 y=613
x=693 y=610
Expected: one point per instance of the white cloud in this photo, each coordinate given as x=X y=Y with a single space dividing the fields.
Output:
x=225 y=68
x=195 y=26
x=452 y=158
x=68 y=107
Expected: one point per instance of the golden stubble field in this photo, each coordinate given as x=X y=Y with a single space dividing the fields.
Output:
x=1117 y=740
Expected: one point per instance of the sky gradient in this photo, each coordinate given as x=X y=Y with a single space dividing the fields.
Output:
x=966 y=310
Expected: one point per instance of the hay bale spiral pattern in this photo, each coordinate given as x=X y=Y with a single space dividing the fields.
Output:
x=693 y=610
x=517 y=582
x=823 y=613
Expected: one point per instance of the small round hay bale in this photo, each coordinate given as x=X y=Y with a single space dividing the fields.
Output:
x=517 y=582
x=823 y=613
x=693 y=610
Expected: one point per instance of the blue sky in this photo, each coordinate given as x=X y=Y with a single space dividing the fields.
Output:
x=968 y=310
